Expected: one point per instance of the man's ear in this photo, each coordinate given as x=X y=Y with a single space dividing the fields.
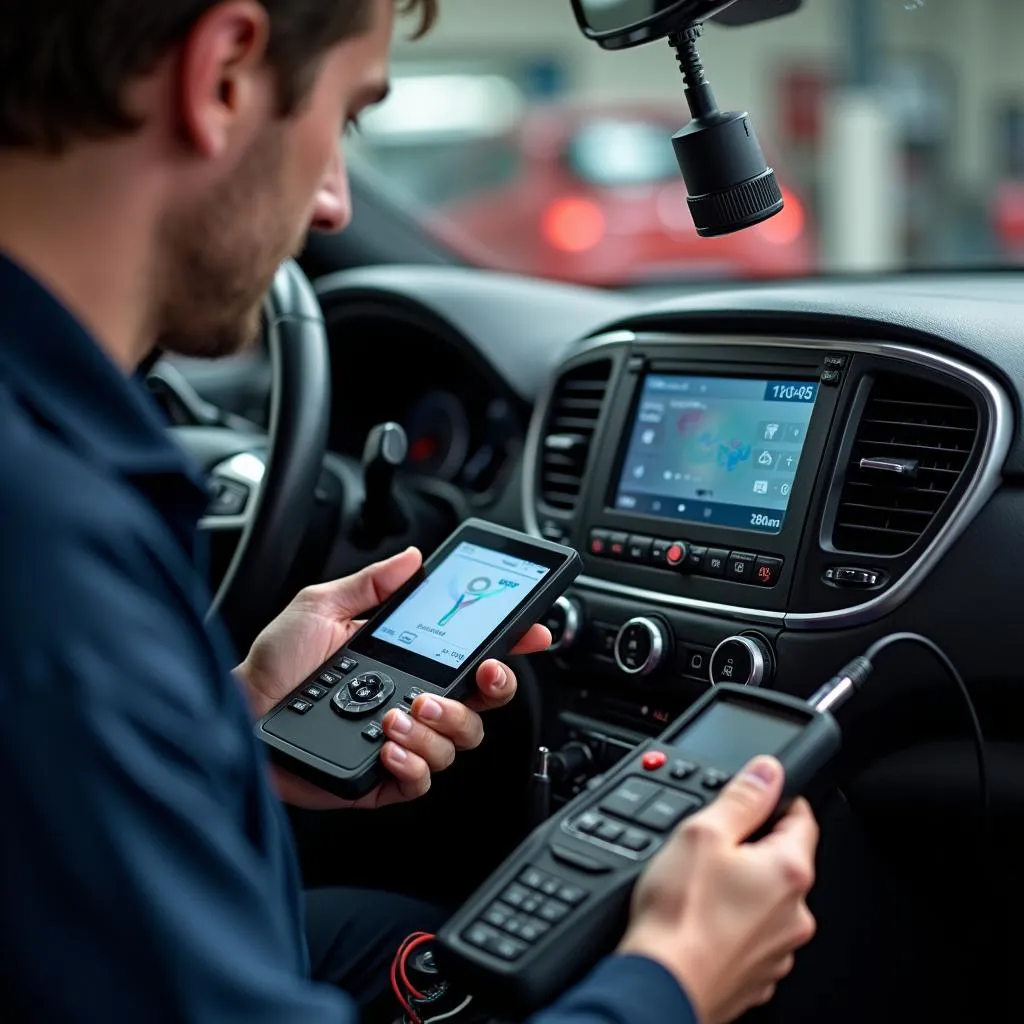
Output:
x=222 y=75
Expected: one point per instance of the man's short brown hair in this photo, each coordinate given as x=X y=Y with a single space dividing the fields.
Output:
x=65 y=64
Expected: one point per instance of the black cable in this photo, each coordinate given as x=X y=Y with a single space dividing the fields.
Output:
x=978 y=736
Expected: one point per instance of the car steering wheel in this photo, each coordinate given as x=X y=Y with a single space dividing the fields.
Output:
x=264 y=485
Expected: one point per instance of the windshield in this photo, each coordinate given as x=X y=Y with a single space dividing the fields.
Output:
x=895 y=128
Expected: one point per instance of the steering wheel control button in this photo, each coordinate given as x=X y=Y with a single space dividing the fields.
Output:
x=740 y=566
x=714 y=779
x=653 y=760
x=597 y=544
x=715 y=562
x=682 y=769
x=767 y=571
x=315 y=691
x=563 y=621
x=629 y=798
x=227 y=498
x=676 y=554
x=666 y=810
x=373 y=732
x=346 y=665
x=743 y=660
x=300 y=705
x=638 y=549
x=640 y=646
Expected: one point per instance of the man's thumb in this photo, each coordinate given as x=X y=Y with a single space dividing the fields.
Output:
x=748 y=801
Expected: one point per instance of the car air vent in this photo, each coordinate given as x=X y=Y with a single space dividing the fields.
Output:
x=912 y=445
x=568 y=432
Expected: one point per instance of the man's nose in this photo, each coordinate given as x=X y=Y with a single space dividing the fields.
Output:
x=333 y=209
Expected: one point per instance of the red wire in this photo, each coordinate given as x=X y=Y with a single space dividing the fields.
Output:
x=411 y=944
x=398 y=964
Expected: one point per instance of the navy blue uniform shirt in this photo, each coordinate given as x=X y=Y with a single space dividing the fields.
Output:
x=146 y=868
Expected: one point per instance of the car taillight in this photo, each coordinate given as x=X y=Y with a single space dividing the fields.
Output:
x=573 y=224
x=787 y=226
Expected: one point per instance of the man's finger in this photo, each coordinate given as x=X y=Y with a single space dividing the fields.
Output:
x=431 y=744
x=496 y=685
x=537 y=639
x=411 y=775
x=355 y=594
x=449 y=718
x=797 y=828
x=748 y=801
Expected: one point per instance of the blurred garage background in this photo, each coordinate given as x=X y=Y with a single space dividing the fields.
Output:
x=896 y=128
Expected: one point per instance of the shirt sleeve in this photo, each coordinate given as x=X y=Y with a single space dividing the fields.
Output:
x=141 y=864
x=623 y=990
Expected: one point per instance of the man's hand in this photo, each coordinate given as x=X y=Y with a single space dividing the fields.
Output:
x=320 y=620
x=725 y=916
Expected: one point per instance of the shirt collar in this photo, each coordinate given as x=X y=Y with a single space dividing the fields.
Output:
x=55 y=364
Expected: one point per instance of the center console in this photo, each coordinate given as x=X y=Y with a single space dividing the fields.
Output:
x=727 y=489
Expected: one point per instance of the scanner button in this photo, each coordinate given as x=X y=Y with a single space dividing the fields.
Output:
x=516 y=896
x=553 y=911
x=682 y=769
x=666 y=810
x=479 y=934
x=346 y=665
x=635 y=840
x=505 y=947
x=653 y=760
x=328 y=678
x=532 y=904
x=530 y=929
x=629 y=798
x=316 y=691
x=533 y=878
x=299 y=705
x=588 y=823
x=571 y=894
x=373 y=732
x=412 y=695
x=498 y=915
x=714 y=779
x=578 y=860
x=610 y=831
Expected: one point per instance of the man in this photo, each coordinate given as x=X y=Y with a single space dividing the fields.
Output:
x=158 y=160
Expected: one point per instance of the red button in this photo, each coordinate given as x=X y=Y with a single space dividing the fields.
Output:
x=597 y=546
x=675 y=554
x=653 y=760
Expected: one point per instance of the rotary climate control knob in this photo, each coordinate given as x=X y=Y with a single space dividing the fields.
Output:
x=745 y=660
x=641 y=646
x=564 y=620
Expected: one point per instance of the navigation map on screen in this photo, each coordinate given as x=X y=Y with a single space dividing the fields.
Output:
x=463 y=600
x=716 y=450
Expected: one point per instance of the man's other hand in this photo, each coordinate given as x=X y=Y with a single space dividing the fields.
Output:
x=723 y=915
x=317 y=623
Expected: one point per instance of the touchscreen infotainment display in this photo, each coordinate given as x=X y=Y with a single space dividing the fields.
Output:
x=716 y=450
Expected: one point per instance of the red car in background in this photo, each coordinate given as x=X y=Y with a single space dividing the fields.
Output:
x=594 y=196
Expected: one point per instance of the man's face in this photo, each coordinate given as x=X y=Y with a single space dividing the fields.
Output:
x=221 y=251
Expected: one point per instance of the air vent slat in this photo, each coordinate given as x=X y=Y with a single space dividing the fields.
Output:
x=930 y=427
x=568 y=432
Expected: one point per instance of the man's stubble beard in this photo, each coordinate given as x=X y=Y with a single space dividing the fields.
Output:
x=220 y=257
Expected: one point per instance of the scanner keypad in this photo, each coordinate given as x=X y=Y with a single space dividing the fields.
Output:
x=524 y=912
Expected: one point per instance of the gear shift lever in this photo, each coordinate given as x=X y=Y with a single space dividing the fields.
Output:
x=384 y=452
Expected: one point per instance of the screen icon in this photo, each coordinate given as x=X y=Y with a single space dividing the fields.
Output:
x=760 y=486
x=766 y=458
x=770 y=430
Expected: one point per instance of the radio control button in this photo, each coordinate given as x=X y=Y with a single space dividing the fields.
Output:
x=740 y=566
x=597 y=544
x=676 y=553
x=767 y=571
x=695 y=558
x=744 y=660
x=639 y=549
x=658 y=549
x=617 y=544
x=715 y=561
x=641 y=646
